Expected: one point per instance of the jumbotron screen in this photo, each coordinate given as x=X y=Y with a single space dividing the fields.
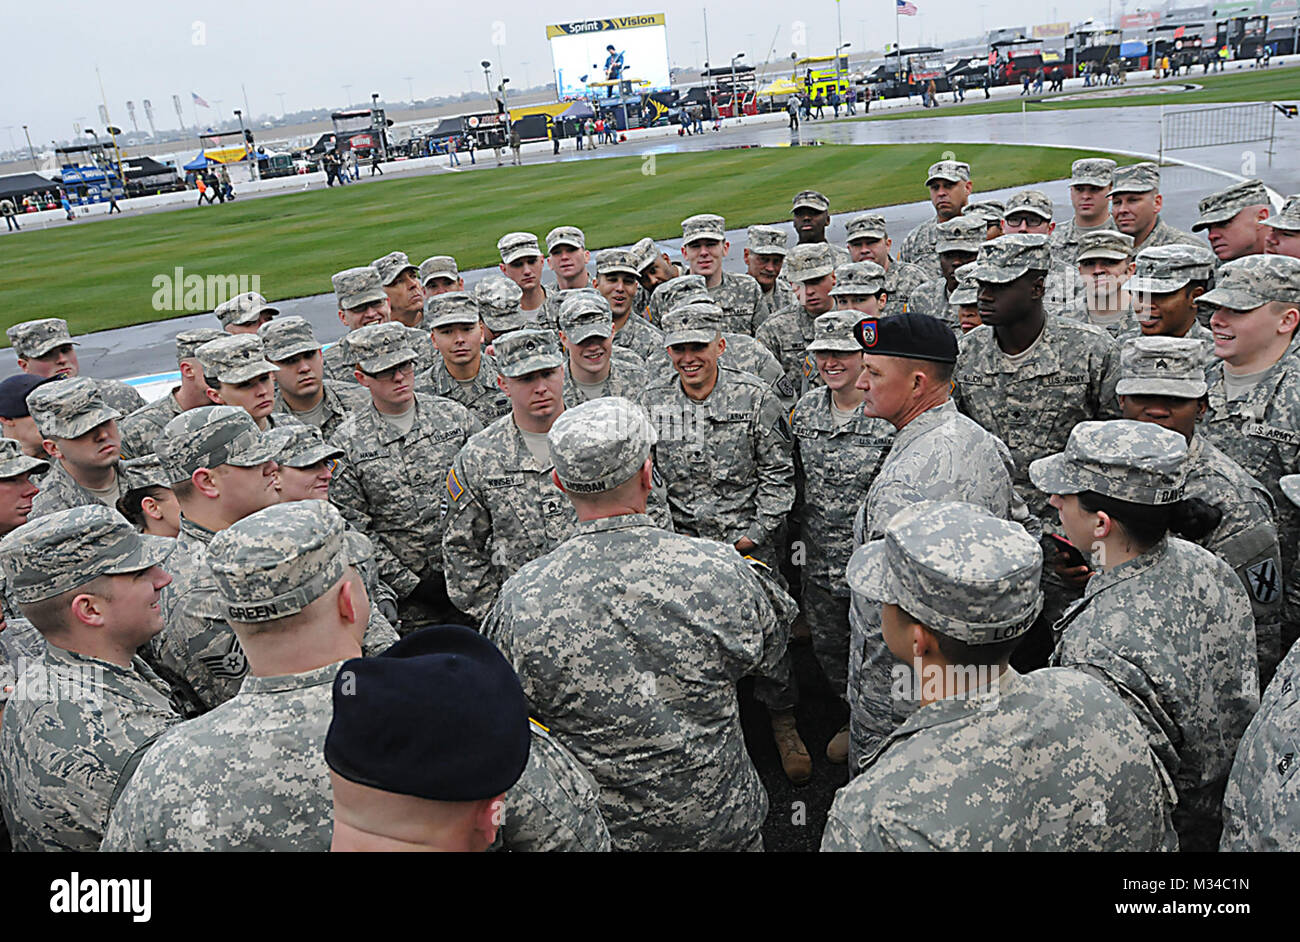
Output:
x=579 y=53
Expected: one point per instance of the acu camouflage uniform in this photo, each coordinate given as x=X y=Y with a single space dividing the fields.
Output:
x=339 y=400
x=1144 y=177
x=482 y=396
x=919 y=247
x=554 y=805
x=141 y=427
x=1064 y=240
x=788 y=333
x=738 y=295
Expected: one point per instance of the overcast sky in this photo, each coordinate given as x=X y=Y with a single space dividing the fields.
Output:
x=311 y=50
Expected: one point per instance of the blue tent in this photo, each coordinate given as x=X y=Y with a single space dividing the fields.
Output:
x=1132 y=49
x=198 y=163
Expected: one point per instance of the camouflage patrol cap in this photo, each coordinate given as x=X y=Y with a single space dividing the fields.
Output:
x=451 y=307
x=968 y=287
x=646 y=252
x=833 y=332
x=208 y=437
x=187 y=341
x=1092 y=171
x=1222 y=206
x=498 y=304
x=1007 y=257
x=765 y=240
x=32 y=339
x=703 y=226
x=960 y=234
x=68 y=408
x=598 y=445
x=14 y=462
x=438 y=266
x=521 y=352
x=379 y=347
x=1162 y=366
x=1109 y=244
x=287 y=337
x=243 y=308
x=611 y=261
x=809 y=261
x=585 y=314
x=954 y=171
x=1290 y=484
x=693 y=322
x=1035 y=202
x=810 y=199
x=234 y=358
x=1165 y=268
x=300 y=446
x=391 y=266
x=65 y=550
x=1139 y=462
x=858 y=278
x=1244 y=284
x=991 y=211
x=1136 y=178
x=681 y=290
x=1288 y=220
x=277 y=561
x=146 y=471
x=515 y=245
x=356 y=287
x=865 y=226
x=955 y=568
x=571 y=236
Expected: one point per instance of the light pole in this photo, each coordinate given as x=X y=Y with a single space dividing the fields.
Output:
x=281 y=96
x=487 y=76
x=505 y=106
x=30 y=149
x=735 y=103
x=248 y=151
x=347 y=90
x=838 y=60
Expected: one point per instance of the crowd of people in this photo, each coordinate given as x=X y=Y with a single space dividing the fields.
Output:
x=487 y=571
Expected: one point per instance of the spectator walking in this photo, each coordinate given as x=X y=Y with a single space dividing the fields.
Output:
x=792 y=108
x=11 y=217
x=452 y=159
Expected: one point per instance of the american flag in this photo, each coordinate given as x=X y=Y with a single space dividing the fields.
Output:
x=904 y=8
x=200 y=101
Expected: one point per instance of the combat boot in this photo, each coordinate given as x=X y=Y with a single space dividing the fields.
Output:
x=794 y=754
x=837 y=750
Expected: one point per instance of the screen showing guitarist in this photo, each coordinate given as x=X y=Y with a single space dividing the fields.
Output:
x=613 y=68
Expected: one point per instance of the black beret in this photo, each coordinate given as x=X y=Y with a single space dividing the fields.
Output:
x=916 y=336
x=439 y=715
x=13 y=394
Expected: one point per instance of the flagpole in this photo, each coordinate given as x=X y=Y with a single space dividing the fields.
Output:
x=898 y=43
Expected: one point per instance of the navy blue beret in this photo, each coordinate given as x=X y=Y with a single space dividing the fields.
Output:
x=13 y=394
x=916 y=336
x=439 y=715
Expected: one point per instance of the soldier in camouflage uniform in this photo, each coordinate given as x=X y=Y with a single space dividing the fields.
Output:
x=1090 y=182
x=150 y=505
x=963 y=304
x=18 y=638
x=401 y=282
x=81 y=436
x=617 y=281
x=704 y=245
x=221 y=469
x=669 y=757
x=1232 y=220
x=1029 y=378
x=238 y=374
x=950 y=188
x=1164 y=623
x=301 y=389
x=937 y=454
x=1254 y=395
x=1030 y=211
x=141 y=427
x=438 y=274
x=362 y=301
x=860 y=287
x=250 y=774
x=990 y=211
x=567 y=256
x=837 y=452
x=521 y=262
x=725 y=454
x=1283 y=236
x=959 y=241
x=44 y=348
x=993 y=760
x=80 y=710
x=1260 y=810
x=555 y=804
x=1105 y=265
x=591 y=368
x=1135 y=204
x=765 y=253
x=498 y=302
x=1165 y=288
x=869 y=241
x=1162 y=380
x=244 y=313
x=810 y=212
x=462 y=371
x=397 y=452
x=787 y=333
x=653 y=268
